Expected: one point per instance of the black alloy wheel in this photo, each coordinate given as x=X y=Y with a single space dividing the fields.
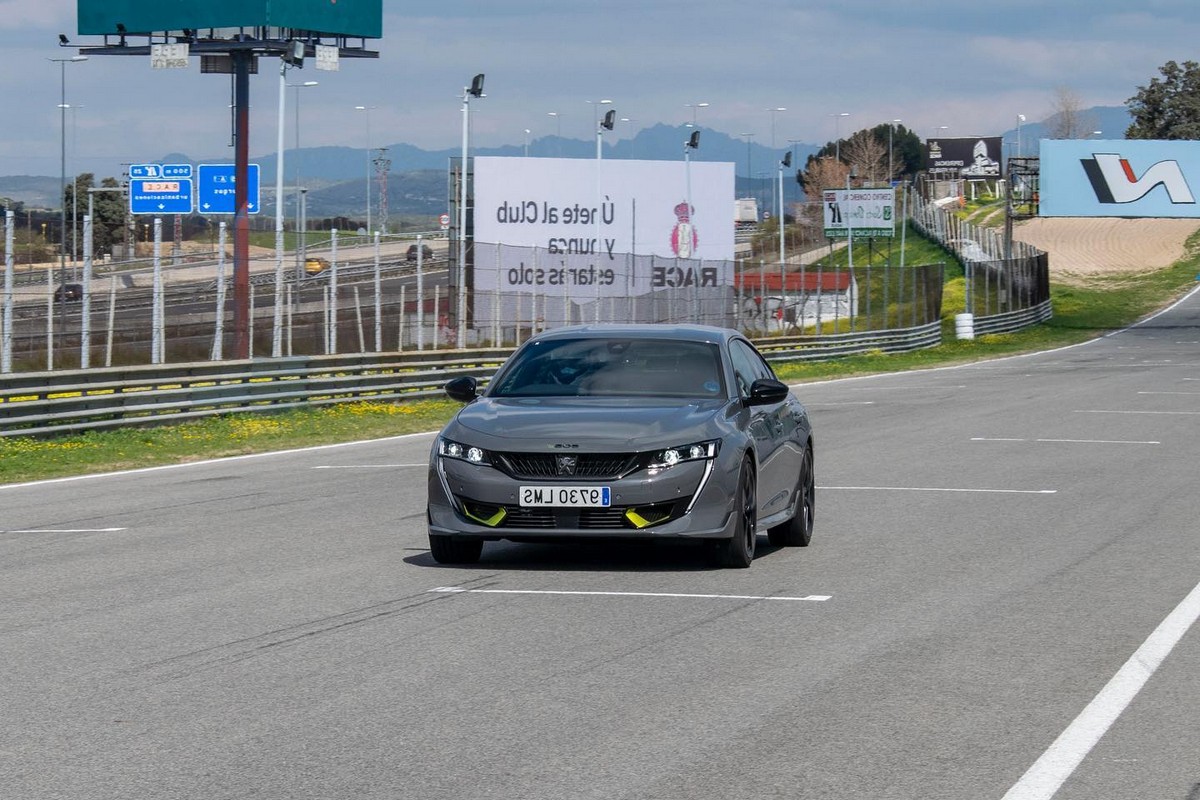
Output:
x=798 y=531
x=738 y=551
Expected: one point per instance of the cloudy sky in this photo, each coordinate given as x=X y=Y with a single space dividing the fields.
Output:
x=972 y=67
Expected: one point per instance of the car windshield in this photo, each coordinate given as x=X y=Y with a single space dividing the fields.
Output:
x=612 y=366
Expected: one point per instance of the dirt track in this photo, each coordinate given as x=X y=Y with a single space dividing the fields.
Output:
x=1097 y=246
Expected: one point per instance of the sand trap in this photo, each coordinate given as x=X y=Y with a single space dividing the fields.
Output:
x=1084 y=246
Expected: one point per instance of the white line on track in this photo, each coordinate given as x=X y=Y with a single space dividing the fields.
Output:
x=1062 y=441
x=934 y=489
x=851 y=403
x=1108 y=411
x=1049 y=772
x=367 y=466
x=66 y=530
x=814 y=598
x=1190 y=393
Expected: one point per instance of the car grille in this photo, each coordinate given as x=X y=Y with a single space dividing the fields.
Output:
x=545 y=465
x=552 y=518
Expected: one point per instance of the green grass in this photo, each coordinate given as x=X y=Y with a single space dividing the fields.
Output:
x=1081 y=312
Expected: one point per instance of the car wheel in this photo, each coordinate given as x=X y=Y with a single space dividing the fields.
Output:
x=448 y=550
x=738 y=551
x=797 y=531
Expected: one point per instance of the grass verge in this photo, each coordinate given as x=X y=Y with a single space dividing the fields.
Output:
x=1081 y=312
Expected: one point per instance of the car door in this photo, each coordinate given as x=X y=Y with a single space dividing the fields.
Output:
x=771 y=427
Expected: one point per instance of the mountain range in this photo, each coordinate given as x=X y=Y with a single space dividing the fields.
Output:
x=336 y=177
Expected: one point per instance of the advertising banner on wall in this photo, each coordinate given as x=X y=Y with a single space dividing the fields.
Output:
x=965 y=157
x=861 y=213
x=586 y=221
x=1119 y=178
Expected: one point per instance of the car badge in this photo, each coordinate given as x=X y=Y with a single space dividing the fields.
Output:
x=566 y=464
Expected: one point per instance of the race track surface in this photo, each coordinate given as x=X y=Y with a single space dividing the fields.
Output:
x=993 y=545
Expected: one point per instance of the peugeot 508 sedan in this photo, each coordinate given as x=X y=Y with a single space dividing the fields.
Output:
x=624 y=431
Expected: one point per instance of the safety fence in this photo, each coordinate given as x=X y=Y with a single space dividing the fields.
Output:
x=53 y=403
x=1003 y=276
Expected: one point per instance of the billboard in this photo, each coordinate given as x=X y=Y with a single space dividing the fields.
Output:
x=968 y=157
x=580 y=218
x=1119 y=178
x=861 y=213
x=348 y=17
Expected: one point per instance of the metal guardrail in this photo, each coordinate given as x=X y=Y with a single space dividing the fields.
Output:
x=50 y=403
x=1013 y=320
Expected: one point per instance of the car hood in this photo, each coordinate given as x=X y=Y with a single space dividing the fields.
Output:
x=604 y=424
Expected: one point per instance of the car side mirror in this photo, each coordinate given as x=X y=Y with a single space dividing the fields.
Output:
x=767 y=391
x=464 y=390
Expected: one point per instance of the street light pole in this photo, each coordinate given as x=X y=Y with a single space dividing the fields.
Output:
x=527 y=142
x=773 y=112
x=693 y=107
x=837 y=127
x=474 y=90
x=749 y=173
x=891 y=170
x=557 y=131
x=368 y=109
x=300 y=232
x=62 y=186
x=600 y=126
x=1020 y=119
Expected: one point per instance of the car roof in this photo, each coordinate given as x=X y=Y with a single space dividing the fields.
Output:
x=691 y=333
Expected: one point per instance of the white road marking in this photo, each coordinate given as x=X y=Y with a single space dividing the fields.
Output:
x=1191 y=393
x=934 y=489
x=828 y=405
x=1062 y=441
x=1049 y=772
x=1108 y=411
x=66 y=530
x=367 y=466
x=815 y=598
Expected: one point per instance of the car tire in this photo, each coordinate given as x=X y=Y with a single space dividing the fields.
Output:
x=797 y=531
x=449 y=550
x=738 y=550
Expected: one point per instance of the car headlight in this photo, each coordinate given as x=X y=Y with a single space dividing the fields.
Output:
x=671 y=456
x=449 y=448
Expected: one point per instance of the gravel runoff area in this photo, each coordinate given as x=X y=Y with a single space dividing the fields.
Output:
x=1082 y=247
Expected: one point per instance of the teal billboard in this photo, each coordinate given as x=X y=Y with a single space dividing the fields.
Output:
x=358 y=18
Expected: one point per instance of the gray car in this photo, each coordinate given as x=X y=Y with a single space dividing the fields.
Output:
x=624 y=431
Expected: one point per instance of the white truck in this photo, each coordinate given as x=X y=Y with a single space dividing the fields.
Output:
x=745 y=212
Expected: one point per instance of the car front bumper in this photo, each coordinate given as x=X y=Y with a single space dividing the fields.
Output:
x=689 y=500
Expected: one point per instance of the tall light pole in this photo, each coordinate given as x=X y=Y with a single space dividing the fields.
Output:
x=891 y=130
x=300 y=232
x=367 y=110
x=527 y=132
x=784 y=164
x=774 y=111
x=693 y=107
x=749 y=174
x=62 y=186
x=600 y=124
x=74 y=195
x=837 y=132
x=687 y=236
x=1020 y=119
x=557 y=131
x=474 y=90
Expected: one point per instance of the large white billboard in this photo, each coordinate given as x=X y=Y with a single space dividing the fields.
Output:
x=1119 y=178
x=596 y=218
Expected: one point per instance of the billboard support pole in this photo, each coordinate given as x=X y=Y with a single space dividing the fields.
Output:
x=241 y=219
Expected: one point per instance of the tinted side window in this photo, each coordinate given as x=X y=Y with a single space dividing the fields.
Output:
x=748 y=366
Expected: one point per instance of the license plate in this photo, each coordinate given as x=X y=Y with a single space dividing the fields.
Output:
x=566 y=496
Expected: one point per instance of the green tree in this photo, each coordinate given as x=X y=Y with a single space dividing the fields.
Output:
x=908 y=156
x=108 y=226
x=1167 y=108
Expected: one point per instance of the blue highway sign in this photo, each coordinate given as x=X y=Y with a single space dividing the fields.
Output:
x=160 y=196
x=215 y=188
x=152 y=171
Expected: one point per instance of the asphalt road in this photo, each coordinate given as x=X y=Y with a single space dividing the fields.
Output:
x=994 y=545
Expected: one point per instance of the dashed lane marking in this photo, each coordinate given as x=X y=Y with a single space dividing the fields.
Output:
x=812 y=598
